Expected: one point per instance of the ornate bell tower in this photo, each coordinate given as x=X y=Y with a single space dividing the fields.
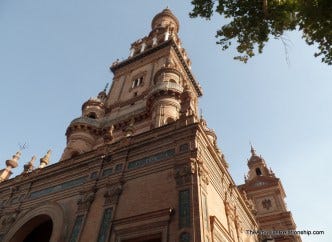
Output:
x=266 y=192
x=151 y=88
x=167 y=179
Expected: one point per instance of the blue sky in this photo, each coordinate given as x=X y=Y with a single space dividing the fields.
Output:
x=54 y=55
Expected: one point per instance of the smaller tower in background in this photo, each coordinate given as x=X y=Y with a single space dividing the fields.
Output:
x=266 y=192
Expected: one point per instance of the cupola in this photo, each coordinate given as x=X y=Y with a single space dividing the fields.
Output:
x=165 y=19
x=257 y=166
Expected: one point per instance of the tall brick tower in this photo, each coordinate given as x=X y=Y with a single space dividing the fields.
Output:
x=140 y=165
x=267 y=193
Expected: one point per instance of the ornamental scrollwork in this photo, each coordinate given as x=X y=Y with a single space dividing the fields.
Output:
x=86 y=199
x=113 y=192
x=183 y=173
x=8 y=219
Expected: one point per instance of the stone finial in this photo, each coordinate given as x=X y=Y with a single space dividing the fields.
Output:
x=12 y=163
x=44 y=161
x=28 y=167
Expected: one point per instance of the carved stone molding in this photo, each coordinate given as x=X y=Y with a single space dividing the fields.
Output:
x=250 y=204
x=8 y=218
x=202 y=170
x=229 y=208
x=238 y=224
x=203 y=173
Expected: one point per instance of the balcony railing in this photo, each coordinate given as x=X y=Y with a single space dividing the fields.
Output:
x=165 y=86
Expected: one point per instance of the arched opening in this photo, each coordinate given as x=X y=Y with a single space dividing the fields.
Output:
x=258 y=172
x=38 y=229
x=92 y=115
x=42 y=233
x=170 y=120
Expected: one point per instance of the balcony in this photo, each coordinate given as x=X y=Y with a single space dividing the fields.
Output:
x=168 y=86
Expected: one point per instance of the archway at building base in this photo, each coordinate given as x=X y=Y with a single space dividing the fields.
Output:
x=43 y=224
x=37 y=229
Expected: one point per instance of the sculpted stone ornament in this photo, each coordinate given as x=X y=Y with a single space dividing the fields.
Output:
x=129 y=130
x=108 y=134
x=183 y=173
x=169 y=63
x=203 y=173
x=113 y=193
x=230 y=210
x=238 y=223
x=86 y=199
x=9 y=218
x=249 y=203
x=202 y=170
x=186 y=99
x=267 y=204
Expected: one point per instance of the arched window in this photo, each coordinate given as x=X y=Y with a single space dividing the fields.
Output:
x=92 y=115
x=169 y=120
x=137 y=82
x=258 y=172
x=38 y=228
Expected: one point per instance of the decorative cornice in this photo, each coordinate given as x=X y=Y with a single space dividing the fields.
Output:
x=130 y=60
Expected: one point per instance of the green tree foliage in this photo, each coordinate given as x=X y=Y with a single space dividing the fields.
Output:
x=253 y=22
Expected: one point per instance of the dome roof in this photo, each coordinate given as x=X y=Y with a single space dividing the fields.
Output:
x=93 y=101
x=165 y=18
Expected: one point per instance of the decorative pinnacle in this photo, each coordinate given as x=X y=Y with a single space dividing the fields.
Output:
x=28 y=167
x=12 y=163
x=44 y=161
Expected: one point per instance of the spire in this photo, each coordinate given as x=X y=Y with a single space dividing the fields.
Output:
x=254 y=159
x=252 y=150
x=28 y=167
